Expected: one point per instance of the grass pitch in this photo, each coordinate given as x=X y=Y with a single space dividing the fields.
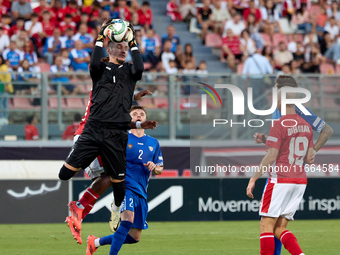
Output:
x=235 y=237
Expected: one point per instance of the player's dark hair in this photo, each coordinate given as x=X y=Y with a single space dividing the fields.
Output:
x=96 y=3
x=30 y=119
x=135 y=107
x=285 y=80
x=77 y=117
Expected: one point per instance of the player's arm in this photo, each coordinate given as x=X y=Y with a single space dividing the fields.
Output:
x=138 y=66
x=140 y=94
x=309 y=159
x=266 y=162
x=148 y=124
x=156 y=165
x=325 y=134
x=157 y=169
x=97 y=53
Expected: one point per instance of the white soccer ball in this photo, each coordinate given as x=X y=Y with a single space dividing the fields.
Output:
x=117 y=31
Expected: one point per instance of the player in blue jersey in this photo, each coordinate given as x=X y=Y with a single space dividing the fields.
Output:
x=316 y=123
x=143 y=155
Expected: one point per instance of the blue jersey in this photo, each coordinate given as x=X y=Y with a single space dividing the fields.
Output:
x=316 y=122
x=139 y=151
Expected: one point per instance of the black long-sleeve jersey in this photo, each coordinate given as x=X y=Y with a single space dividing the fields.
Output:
x=113 y=87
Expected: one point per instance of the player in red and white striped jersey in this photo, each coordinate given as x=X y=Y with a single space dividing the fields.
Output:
x=101 y=181
x=290 y=145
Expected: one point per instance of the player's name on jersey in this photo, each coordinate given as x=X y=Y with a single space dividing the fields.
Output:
x=298 y=129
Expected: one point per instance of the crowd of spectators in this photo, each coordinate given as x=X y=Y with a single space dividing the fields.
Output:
x=61 y=33
x=249 y=27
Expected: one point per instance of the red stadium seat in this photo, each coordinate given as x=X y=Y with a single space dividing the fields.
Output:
x=267 y=39
x=299 y=36
x=326 y=68
x=277 y=38
x=147 y=66
x=44 y=67
x=53 y=103
x=75 y=103
x=240 y=67
x=162 y=103
x=195 y=102
x=168 y=173
x=186 y=173
x=22 y=103
x=213 y=40
x=337 y=69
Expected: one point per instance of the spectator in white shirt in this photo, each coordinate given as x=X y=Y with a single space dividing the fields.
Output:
x=4 y=40
x=167 y=55
x=172 y=67
x=219 y=15
x=332 y=28
x=33 y=26
x=248 y=42
x=292 y=45
x=236 y=25
x=202 y=71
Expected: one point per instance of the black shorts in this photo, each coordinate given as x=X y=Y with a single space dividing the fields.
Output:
x=107 y=140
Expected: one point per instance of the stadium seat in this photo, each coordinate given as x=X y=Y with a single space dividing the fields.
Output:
x=213 y=40
x=300 y=37
x=22 y=103
x=193 y=26
x=240 y=68
x=277 y=38
x=162 y=103
x=147 y=103
x=326 y=68
x=10 y=103
x=314 y=9
x=168 y=173
x=147 y=66
x=75 y=103
x=44 y=67
x=186 y=173
x=267 y=39
x=53 y=103
x=337 y=69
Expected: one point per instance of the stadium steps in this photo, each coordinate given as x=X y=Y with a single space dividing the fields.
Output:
x=201 y=52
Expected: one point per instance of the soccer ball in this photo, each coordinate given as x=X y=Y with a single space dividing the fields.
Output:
x=117 y=31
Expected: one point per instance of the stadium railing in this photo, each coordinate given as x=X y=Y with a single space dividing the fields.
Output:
x=175 y=104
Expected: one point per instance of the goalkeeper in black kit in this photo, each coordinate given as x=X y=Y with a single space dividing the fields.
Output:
x=105 y=133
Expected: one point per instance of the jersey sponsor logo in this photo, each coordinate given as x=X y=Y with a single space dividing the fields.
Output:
x=150 y=148
x=271 y=138
x=140 y=143
x=130 y=146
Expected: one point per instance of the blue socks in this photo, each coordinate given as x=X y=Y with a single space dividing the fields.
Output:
x=130 y=240
x=119 y=237
x=278 y=246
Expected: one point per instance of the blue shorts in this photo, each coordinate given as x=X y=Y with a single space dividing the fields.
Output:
x=137 y=204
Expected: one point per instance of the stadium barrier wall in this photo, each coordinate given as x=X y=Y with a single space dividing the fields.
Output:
x=180 y=199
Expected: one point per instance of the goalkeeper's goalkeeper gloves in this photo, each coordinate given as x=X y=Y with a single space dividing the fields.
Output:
x=131 y=37
x=101 y=35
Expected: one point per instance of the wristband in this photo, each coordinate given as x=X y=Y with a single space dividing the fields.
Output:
x=139 y=125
